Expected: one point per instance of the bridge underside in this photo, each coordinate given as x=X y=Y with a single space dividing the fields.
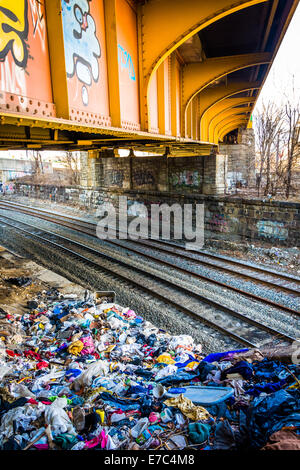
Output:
x=26 y=133
x=166 y=77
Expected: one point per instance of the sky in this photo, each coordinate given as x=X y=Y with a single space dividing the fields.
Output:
x=285 y=65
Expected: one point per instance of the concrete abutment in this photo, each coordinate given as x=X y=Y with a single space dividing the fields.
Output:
x=215 y=174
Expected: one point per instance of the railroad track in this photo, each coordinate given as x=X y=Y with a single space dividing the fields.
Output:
x=199 y=308
x=279 y=282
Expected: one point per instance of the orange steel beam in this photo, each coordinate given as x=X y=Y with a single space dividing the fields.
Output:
x=112 y=61
x=168 y=24
x=57 y=54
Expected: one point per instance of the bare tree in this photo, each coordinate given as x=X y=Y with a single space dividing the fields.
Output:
x=292 y=137
x=268 y=125
x=71 y=161
x=36 y=157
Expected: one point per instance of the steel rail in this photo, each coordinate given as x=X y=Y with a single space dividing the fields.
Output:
x=161 y=280
x=90 y=232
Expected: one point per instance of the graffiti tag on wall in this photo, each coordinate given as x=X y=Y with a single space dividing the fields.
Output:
x=38 y=21
x=125 y=61
x=14 y=31
x=269 y=229
x=141 y=177
x=24 y=58
x=12 y=78
x=218 y=223
x=185 y=179
x=82 y=48
x=116 y=178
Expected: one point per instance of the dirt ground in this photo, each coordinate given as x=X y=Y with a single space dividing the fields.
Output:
x=13 y=298
x=273 y=257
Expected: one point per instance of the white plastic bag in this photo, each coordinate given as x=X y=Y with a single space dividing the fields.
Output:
x=171 y=369
x=86 y=378
x=3 y=371
x=140 y=426
x=182 y=341
x=58 y=418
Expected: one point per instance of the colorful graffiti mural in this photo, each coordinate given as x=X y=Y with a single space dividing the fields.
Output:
x=24 y=58
x=82 y=47
x=14 y=31
x=185 y=178
x=85 y=56
x=7 y=188
x=269 y=229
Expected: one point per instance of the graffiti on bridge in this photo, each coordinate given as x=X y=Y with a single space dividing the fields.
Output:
x=82 y=47
x=141 y=177
x=38 y=21
x=185 y=178
x=14 y=31
x=116 y=178
x=125 y=61
x=24 y=56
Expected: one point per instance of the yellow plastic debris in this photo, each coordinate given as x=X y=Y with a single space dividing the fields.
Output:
x=165 y=359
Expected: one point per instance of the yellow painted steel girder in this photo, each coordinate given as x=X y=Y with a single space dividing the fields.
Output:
x=164 y=25
x=167 y=24
x=192 y=119
x=197 y=76
x=216 y=111
x=227 y=116
x=57 y=57
x=112 y=62
x=230 y=126
x=211 y=96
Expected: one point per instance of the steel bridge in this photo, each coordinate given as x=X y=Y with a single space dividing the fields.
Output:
x=167 y=76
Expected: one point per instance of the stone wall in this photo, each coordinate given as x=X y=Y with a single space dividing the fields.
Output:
x=225 y=218
x=193 y=175
x=240 y=160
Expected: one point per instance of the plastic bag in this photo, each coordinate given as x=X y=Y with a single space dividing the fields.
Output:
x=56 y=416
x=86 y=378
x=182 y=341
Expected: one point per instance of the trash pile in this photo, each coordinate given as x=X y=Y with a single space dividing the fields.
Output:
x=87 y=374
